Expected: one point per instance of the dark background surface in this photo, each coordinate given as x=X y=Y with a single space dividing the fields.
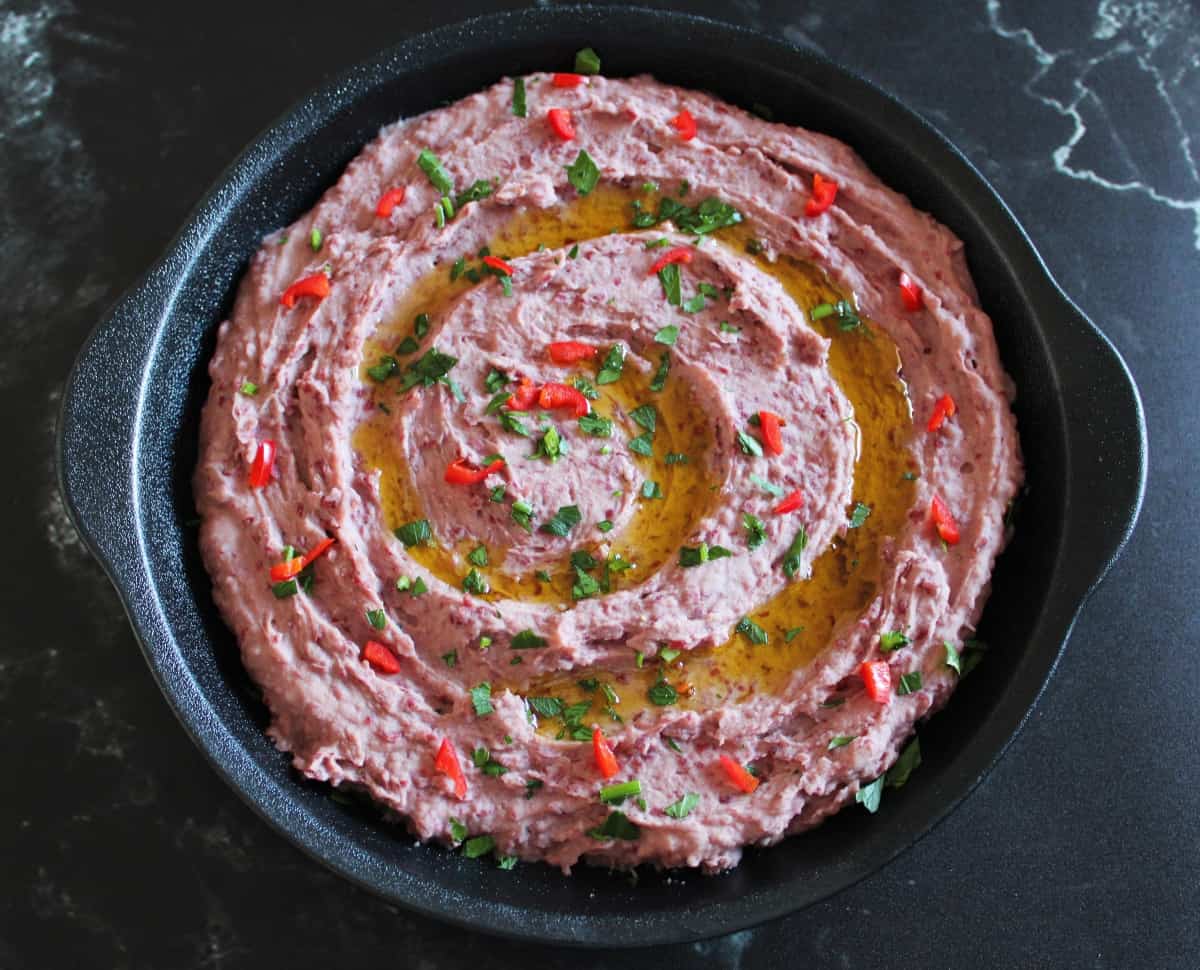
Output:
x=121 y=846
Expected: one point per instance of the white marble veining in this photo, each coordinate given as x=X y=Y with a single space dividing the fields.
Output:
x=1162 y=37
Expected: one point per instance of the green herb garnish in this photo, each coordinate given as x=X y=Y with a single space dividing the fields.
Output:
x=840 y=741
x=689 y=557
x=377 y=619
x=792 y=559
x=616 y=826
x=475 y=583
x=522 y=514
x=614 y=363
x=667 y=335
x=249 y=388
x=615 y=794
x=596 y=426
x=587 y=61
x=683 y=807
x=749 y=445
x=909 y=682
x=583 y=173
x=756 y=532
x=859 y=515
x=527 y=640
x=669 y=277
x=651 y=490
x=893 y=640
x=563 y=521
x=415 y=533
x=660 y=375
x=518 y=98
x=431 y=165
x=751 y=631
x=481 y=699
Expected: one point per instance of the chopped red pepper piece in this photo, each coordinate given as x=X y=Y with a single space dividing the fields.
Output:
x=790 y=503
x=737 y=774
x=910 y=293
x=680 y=254
x=567 y=80
x=553 y=396
x=606 y=761
x=560 y=123
x=944 y=408
x=447 y=763
x=499 y=265
x=380 y=657
x=571 y=351
x=772 y=433
x=685 y=124
x=943 y=521
x=316 y=286
x=824 y=191
x=263 y=465
x=877 y=678
x=388 y=201
x=524 y=397
x=297 y=564
x=462 y=472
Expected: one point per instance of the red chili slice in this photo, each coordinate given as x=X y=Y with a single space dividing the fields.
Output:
x=571 y=351
x=388 y=201
x=567 y=80
x=685 y=124
x=380 y=657
x=943 y=521
x=560 y=123
x=462 y=472
x=602 y=751
x=680 y=254
x=524 y=397
x=499 y=265
x=316 y=286
x=824 y=191
x=447 y=763
x=790 y=503
x=297 y=564
x=263 y=464
x=772 y=432
x=877 y=678
x=553 y=396
x=944 y=408
x=737 y=774
x=910 y=293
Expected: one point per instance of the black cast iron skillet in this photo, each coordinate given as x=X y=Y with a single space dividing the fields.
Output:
x=128 y=447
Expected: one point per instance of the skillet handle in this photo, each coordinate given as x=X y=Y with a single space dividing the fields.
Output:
x=96 y=436
x=1107 y=461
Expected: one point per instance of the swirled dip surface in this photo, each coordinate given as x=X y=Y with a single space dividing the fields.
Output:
x=650 y=569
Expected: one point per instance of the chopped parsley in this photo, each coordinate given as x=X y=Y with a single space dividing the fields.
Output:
x=660 y=376
x=518 y=98
x=908 y=762
x=458 y=831
x=532 y=785
x=614 y=363
x=475 y=583
x=522 y=514
x=450 y=659
x=651 y=490
x=689 y=557
x=790 y=634
x=587 y=61
x=756 y=532
x=563 y=521
x=596 y=426
x=694 y=304
x=909 y=682
x=869 y=796
x=840 y=741
x=545 y=706
x=859 y=515
x=953 y=660
x=480 y=845
x=792 y=559
x=616 y=826
x=551 y=445
x=386 y=367
x=847 y=316
x=249 y=388
x=415 y=533
x=427 y=370
x=481 y=699
x=511 y=421
x=893 y=640
x=727 y=327
x=683 y=807
x=751 y=631
x=669 y=277
x=667 y=335
x=527 y=640
x=604 y=525
x=486 y=763
x=377 y=619
x=710 y=215
x=314 y=239
x=667 y=654
x=498 y=493
x=583 y=173
x=643 y=444
x=573 y=253
x=769 y=487
x=585 y=387
x=478 y=556
x=662 y=693
x=585 y=586
x=645 y=416
x=415 y=587
x=496 y=380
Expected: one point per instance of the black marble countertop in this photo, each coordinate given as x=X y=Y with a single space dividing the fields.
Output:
x=121 y=846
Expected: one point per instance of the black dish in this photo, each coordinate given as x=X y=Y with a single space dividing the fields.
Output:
x=128 y=446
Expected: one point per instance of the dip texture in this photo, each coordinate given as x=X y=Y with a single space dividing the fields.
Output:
x=571 y=469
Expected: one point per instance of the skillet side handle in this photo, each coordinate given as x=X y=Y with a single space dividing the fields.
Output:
x=1107 y=433
x=95 y=438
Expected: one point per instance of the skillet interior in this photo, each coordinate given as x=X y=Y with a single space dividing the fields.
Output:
x=129 y=446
